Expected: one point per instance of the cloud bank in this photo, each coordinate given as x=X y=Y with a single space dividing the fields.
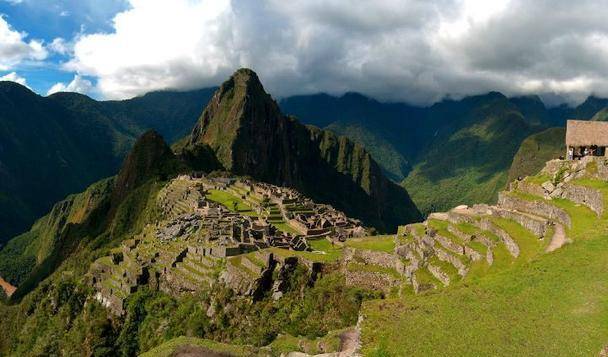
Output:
x=408 y=50
x=14 y=48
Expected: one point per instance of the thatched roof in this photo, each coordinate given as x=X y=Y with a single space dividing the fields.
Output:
x=586 y=133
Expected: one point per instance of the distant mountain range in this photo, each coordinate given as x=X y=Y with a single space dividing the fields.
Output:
x=54 y=146
x=57 y=145
x=462 y=148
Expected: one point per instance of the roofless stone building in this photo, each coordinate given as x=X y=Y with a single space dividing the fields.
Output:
x=586 y=138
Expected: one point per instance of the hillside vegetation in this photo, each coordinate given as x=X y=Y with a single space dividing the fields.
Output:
x=58 y=145
x=544 y=303
x=535 y=150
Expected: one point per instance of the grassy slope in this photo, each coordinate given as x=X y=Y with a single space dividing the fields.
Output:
x=469 y=165
x=535 y=151
x=392 y=162
x=547 y=304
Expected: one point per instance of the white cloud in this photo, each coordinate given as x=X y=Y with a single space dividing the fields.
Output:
x=78 y=85
x=413 y=50
x=60 y=46
x=14 y=48
x=14 y=77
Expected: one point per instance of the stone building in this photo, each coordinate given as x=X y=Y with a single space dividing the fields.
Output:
x=586 y=138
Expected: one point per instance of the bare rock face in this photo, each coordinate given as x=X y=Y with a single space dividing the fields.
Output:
x=244 y=128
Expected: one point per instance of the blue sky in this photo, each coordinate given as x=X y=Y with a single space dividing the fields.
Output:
x=417 y=51
x=48 y=20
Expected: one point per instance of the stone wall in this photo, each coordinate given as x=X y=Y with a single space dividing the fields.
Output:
x=530 y=188
x=371 y=280
x=439 y=274
x=370 y=257
x=537 y=225
x=539 y=208
x=584 y=195
x=506 y=239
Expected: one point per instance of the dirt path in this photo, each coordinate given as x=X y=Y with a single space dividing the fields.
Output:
x=8 y=288
x=559 y=238
x=349 y=341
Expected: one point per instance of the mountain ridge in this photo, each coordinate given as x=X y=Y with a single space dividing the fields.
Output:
x=243 y=125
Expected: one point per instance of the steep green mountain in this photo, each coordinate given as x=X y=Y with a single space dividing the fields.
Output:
x=391 y=132
x=109 y=205
x=431 y=139
x=95 y=227
x=51 y=147
x=601 y=115
x=394 y=164
x=47 y=152
x=535 y=150
x=249 y=135
x=468 y=162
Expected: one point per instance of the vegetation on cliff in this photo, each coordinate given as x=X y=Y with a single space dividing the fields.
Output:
x=245 y=129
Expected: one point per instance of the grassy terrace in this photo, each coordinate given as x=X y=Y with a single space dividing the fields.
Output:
x=323 y=252
x=356 y=267
x=549 y=304
x=284 y=227
x=582 y=217
x=384 y=243
x=169 y=348
x=229 y=200
x=539 y=179
x=236 y=262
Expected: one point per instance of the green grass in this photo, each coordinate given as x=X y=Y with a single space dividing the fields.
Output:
x=228 y=200
x=369 y=268
x=284 y=344
x=425 y=277
x=539 y=179
x=285 y=228
x=170 y=347
x=447 y=268
x=553 y=306
x=549 y=304
x=529 y=245
x=325 y=252
x=384 y=243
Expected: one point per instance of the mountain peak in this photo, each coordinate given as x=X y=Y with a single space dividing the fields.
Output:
x=244 y=80
x=244 y=128
x=12 y=88
x=150 y=157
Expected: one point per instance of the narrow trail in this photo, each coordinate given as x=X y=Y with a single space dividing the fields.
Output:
x=349 y=341
x=8 y=288
x=559 y=238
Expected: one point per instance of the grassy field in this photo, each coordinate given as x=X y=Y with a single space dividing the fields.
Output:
x=378 y=243
x=178 y=344
x=549 y=304
x=323 y=252
x=229 y=200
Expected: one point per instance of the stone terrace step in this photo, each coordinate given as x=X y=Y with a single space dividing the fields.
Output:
x=538 y=207
x=539 y=226
x=438 y=274
x=487 y=225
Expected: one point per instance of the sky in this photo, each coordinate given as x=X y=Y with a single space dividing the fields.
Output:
x=416 y=51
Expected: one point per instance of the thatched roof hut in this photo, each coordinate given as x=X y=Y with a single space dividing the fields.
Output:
x=586 y=133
